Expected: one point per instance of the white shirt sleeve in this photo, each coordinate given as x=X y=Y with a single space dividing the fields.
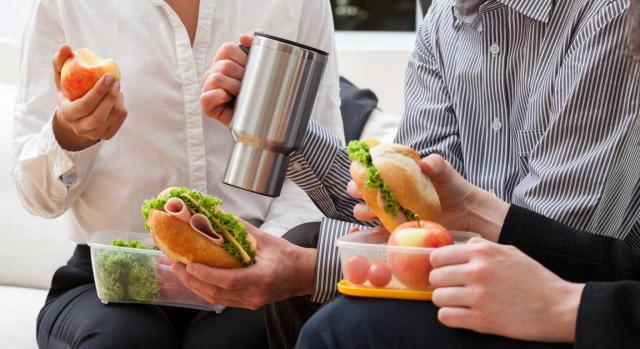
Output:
x=47 y=177
x=293 y=207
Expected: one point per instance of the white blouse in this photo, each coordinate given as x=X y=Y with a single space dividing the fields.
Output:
x=166 y=140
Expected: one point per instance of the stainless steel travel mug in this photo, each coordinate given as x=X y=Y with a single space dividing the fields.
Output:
x=272 y=111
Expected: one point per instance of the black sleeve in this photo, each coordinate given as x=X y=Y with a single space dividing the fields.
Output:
x=609 y=316
x=609 y=313
x=571 y=254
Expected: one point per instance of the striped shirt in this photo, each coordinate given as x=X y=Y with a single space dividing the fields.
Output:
x=533 y=100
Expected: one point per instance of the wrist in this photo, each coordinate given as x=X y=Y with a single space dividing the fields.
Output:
x=307 y=274
x=486 y=214
x=67 y=138
x=565 y=311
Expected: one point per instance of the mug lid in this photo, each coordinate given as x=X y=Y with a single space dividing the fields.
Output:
x=293 y=43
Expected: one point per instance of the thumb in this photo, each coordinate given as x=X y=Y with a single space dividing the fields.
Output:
x=257 y=234
x=438 y=169
x=476 y=239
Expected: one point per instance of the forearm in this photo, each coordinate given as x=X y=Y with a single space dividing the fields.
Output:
x=486 y=214
x=321 y=169
x=48 y=178
x=609 y=316
x=572 y=254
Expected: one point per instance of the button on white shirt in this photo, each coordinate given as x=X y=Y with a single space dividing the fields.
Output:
x=166 y=140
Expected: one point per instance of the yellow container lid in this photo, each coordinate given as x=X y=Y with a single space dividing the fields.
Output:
x=349 y=289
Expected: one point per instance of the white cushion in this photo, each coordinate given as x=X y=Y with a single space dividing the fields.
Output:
x=381 y=71
x=381 y=125
x=19 y=309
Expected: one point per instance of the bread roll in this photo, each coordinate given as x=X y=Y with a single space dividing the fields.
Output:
x=183 y=244
x=399 y=168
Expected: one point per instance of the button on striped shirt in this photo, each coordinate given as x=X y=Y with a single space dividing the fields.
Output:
x=532 y=100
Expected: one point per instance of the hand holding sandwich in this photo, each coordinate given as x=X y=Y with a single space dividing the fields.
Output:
x=281 y=270
x=462 y=206
x=222 y=259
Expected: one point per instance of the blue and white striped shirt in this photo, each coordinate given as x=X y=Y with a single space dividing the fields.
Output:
x=533 y=100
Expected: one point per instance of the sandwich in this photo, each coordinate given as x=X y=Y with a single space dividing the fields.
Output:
x=391 y=183
x=190 y=227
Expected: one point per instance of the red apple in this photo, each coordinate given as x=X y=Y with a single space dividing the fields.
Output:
x=82 y=70
x=412 y=269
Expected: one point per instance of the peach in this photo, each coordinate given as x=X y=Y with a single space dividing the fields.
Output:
x=412 y=269
x=82 y=70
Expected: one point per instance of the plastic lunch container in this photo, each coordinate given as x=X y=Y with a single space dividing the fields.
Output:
x=132 y=275
x=402 y=272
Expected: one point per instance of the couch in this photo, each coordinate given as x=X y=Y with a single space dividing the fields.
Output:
x=31 y=248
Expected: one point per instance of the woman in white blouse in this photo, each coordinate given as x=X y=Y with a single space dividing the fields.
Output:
x=95 y=159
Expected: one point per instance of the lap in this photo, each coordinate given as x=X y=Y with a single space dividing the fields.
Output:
x=374 y=323
x=233 y=328
x=77 y=319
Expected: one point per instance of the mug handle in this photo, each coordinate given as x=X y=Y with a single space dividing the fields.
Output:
x=245 y=49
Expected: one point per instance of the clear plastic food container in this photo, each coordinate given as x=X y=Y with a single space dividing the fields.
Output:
x=372 y=268
x=133 y=275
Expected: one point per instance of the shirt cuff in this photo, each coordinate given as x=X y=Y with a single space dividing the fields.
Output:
x=66 y=166
x=328 y=273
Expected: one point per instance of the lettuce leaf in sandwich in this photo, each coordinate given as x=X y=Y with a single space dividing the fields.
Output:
x=232 y=230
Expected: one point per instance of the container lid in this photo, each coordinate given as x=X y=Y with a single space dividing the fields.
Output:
x=348 y=289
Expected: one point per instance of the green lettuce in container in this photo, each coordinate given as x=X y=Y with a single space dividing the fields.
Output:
x=124 y=275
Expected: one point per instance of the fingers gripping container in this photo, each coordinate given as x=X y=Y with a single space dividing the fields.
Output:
x=400 y=272
x=133 y=275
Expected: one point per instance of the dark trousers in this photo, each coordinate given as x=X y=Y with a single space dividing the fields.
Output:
x=355 y=323
x=285 y=319
x=74 y=317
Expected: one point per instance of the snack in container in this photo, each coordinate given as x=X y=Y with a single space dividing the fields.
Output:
x=369 y=249
x=128 y=268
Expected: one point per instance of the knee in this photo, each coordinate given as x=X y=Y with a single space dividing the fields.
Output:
x=323 y=330
x=79 y=320
x=126 y=326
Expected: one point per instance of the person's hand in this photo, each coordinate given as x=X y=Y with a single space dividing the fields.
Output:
x=281 y=270
x=222 y=81
x=464 y=206
x=96 y=116
x=453 y=191
x=497 y=289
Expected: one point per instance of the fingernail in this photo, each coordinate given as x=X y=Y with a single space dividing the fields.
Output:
x=109 y=79
x=189 y=268
x=429 y=161
x=116 y=86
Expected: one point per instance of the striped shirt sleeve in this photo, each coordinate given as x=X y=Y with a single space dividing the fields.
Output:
x=571 y=161
x=430 y=125
x=328 y=271
x=321 y=168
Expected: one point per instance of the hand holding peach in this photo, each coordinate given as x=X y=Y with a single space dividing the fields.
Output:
x=90 y=105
